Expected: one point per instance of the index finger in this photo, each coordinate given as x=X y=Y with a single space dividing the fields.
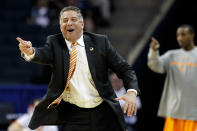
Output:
x=154 y=39
x=20 y=40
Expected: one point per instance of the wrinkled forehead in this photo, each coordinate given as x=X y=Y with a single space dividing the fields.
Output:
x=69 y=14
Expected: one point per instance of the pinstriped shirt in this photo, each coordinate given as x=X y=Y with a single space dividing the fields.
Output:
x=83 y=92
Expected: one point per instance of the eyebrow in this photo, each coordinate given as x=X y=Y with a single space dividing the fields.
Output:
x=71 y=17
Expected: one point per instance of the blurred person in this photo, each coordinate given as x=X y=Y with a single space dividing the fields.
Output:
x=89 y=25
x=41 y=14
x=104 y=10
x=79 y=95
x=117 y=85
x=21 y=124
x=178 y=102
x=86 y=8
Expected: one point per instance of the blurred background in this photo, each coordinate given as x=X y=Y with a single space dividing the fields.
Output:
x=129 y=25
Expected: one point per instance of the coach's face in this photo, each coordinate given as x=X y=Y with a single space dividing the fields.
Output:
x=71 y=25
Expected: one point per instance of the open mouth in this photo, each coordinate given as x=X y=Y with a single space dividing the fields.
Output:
x=70 y=30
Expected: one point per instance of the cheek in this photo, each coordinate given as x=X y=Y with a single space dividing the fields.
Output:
x=185 y=39
x=178 y=38
x=189 y=39
x=80 y=26
x=182 y=38
x=63 y=25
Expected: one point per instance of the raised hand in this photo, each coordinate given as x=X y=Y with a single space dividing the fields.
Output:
x=25 y=46
x=154 y=44
x=130 y=106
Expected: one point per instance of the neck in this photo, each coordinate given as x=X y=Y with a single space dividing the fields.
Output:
x=73 y=40
x=190 y=47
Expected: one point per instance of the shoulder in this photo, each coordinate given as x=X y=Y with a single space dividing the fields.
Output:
x=100 y=40
x=56 y=39
x=55 y=36
x=94 y=35
x=195 y=48
x=173 y=52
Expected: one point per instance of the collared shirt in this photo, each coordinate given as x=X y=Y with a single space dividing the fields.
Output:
x=83 y=92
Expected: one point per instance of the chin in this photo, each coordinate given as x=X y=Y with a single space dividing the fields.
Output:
x=184 y=47
x=71 y=39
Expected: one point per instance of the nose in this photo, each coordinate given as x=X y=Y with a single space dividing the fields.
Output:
x=69 y=22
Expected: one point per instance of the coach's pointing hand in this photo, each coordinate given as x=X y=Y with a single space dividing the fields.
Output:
x=25 y=46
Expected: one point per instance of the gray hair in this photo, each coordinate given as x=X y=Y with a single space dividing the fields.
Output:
x=72 y=8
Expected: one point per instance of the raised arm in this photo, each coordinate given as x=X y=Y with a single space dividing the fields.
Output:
x=42 y=55
x=25 y=47
x=155 y=62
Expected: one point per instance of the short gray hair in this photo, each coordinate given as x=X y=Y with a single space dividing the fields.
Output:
x=72 y=8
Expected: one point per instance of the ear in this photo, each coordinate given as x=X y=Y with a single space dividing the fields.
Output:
x=82 y=24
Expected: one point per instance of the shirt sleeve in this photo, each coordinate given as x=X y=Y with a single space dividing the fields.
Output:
x=133 y=91
x=50 y=128
x=157 y=63
x=24 y=120
x=28 y=57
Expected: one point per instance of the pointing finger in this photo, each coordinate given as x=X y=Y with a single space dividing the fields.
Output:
x=155 y=40
x=20 y=40
x=135 y=110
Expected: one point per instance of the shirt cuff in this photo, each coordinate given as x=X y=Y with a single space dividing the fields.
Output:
x=133 y=91
x=153 y=54
x=29 y=57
